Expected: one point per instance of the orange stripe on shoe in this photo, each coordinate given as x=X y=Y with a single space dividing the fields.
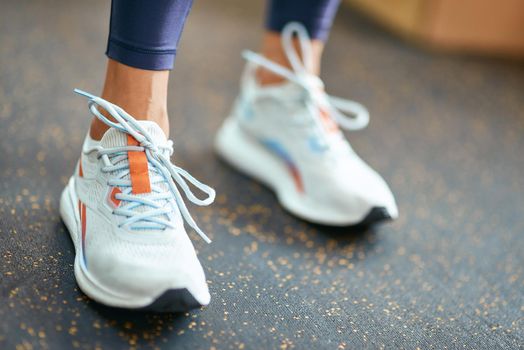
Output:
x=80 y=171
x=328 y=122
x=138 y=169
x=112 y=196
x=83 y=219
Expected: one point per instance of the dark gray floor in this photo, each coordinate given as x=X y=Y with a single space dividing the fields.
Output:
x=446 y=132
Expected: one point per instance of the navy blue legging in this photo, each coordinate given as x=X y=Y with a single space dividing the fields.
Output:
x=145 y=33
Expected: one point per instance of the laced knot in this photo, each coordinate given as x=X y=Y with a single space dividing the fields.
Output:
x=155 y=207
x=350 y=115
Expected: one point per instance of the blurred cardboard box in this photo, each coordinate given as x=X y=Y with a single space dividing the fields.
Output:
x=493 y=27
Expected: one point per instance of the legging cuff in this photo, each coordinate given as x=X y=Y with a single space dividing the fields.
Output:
x=316 y=15
x=140 y=58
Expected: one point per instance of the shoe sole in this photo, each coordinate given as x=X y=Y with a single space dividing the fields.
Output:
x=171 y=300
x=376 y=215
x=248 y=156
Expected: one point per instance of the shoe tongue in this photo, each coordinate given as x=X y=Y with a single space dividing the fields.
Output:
x=285 y=90
x=116 y=138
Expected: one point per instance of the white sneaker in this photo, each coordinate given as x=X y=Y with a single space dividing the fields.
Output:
x=126 y=217
x=287 y=137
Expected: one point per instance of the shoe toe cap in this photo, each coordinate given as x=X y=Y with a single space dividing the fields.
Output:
x=356 y=190
x=150 y=270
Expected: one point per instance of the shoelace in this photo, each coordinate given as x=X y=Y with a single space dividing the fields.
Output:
x=160 y=165
x=357 y=115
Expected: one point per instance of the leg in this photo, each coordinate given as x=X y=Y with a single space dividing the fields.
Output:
x=142 y=44
x=316 y=15
x=124 y=204
x=283 y=129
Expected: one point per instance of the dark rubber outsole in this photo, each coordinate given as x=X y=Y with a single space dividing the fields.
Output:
x=375 y=215
x=173 y=300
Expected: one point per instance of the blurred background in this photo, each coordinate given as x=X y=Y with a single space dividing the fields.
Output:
x=444 y=82
x=482 y=27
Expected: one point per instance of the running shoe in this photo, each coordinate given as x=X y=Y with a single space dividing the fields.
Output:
x=287 y=136
x=125 y=213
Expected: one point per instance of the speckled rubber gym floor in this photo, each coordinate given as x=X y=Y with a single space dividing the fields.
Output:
x=447 y=132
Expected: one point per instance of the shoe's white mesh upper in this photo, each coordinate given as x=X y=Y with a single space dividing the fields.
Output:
x=114 y=138
x=136 y=262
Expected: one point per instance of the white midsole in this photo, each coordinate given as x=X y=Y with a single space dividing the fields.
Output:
x=87 y=283
x=247 y=155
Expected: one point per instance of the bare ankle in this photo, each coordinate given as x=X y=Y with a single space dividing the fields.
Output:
x=141 y=93
x=273 y=50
